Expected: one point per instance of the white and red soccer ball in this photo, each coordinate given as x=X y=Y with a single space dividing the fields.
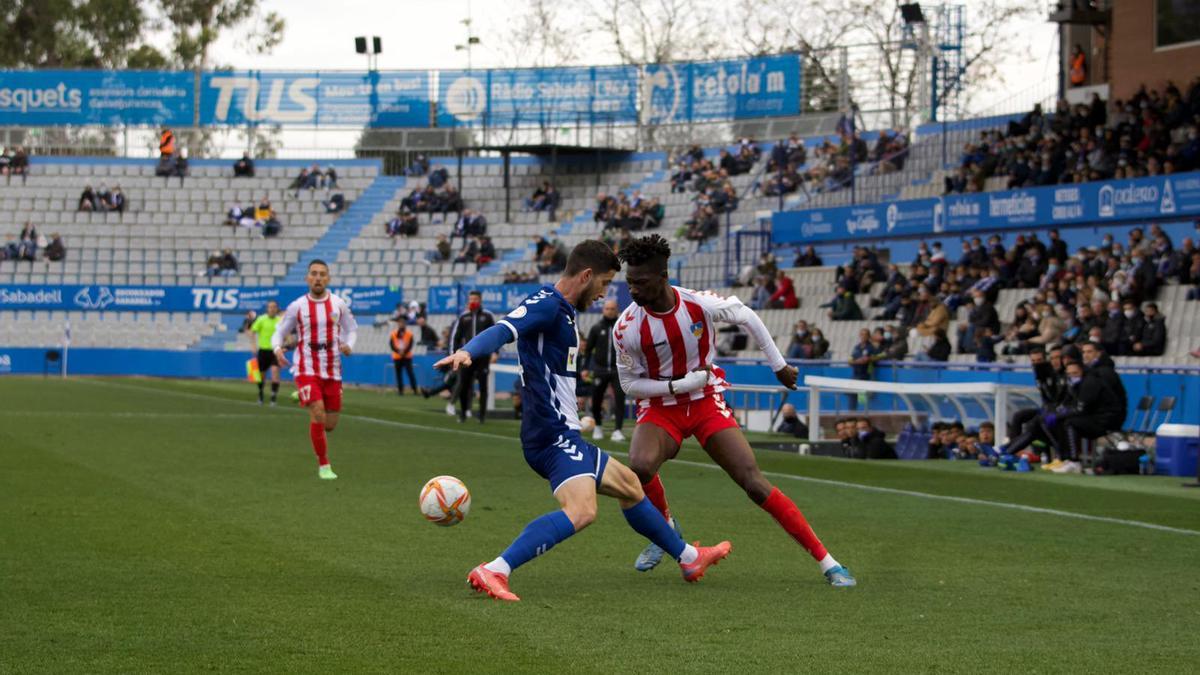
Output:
x=445 y=501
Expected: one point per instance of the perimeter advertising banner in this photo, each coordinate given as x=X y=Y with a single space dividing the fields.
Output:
x=1085 y=203
x=100 y=97
x=734 y=89
x=363 y=300
x=377 y=99
x=538 y=96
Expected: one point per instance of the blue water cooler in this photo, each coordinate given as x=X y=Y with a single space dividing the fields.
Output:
x=1177 y=449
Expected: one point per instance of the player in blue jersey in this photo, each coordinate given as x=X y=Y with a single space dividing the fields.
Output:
x=548 y=346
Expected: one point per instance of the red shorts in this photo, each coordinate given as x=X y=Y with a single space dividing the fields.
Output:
x=701 y=418
x=313 y=389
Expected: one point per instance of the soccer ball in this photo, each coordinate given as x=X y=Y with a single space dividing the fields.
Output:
x=445 y=501
x=587 y=424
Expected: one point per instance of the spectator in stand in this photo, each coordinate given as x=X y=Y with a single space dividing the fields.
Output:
x=807 y=258
x=554 y=259
x=223 y=263
x=470 y=224
x=843 y=306
x=982 y=315
x=789 y=422
x=166 y=144
x=938 y=350
x=244 y=167
x=931 y=316
x=820 y=346
x=800 y=346
x=469 y=252
x=335 y=204
x=862 y=363
x=419 y=167
x=11 y=249
x=426 y=336
x=87 y=199
x=116 y=200
x=301 y=181
x=27 y=243
x=55 y=250
x=403 y=225
x=438 y=178
x=331 y=177
x=784 y=296
x=1153 y=338
x=487 y=251
x=703 y=224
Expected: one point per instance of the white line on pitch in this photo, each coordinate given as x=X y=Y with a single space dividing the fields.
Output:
x=774 y=474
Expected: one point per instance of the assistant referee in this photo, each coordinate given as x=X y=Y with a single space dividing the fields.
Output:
x=260 y=337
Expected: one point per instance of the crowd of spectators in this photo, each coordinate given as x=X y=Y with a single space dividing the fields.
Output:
x=102 y=200
x=313 y=178
x=832 y=164
x=631 y=212
x=25 y=245
x=478 y=250
x=1102 y=294
x=1149 y=134
x=438 y=195
x=545 y=198
x=861 y=440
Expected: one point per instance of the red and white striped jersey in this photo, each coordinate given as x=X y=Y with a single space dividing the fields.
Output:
x=668 y=346
x=323 y=326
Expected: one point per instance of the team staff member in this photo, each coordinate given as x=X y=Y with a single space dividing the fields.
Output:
x=261 y=331
x=402 y=354
x=469 y=324
x=600 y=358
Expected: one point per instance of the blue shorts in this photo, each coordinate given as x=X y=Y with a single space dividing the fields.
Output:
x=569 y=458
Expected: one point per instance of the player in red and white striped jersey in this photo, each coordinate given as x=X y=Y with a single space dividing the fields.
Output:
x=327 y=331
x=666 y=343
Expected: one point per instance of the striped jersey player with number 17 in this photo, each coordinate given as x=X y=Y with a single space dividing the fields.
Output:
x=665 y=343
x=327 y=331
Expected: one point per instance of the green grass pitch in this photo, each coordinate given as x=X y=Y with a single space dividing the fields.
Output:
x=166 y=526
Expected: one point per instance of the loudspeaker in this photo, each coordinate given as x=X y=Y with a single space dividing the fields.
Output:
x=378 y=44
x=911 y=13
x=360 y=45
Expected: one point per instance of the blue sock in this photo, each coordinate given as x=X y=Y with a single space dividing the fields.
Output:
x=648 y=522
x=539 y=536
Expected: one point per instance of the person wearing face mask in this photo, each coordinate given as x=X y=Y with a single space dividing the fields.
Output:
x=1114 y=326
x=1153 y=339
x=801 y=343
x=1145 y=276
x=1098 y=405
x=870 y=443
x=1131 y=328
x=469 y=324
x=1027 y=425
x=982 y=315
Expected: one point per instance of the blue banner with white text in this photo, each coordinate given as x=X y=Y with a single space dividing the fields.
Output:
x=1150 y=198
x=538 y=96
x=376 y=99
x=363 y=300
x=79 y=97
x=764 y=86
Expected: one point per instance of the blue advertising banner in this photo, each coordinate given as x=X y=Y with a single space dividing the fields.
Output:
x=364 y=300
x=498 y=299
x=76 y=97
x=899 y=218
x=734 y=89
x=385 y=99
x=1085 y=203
x=537 y=96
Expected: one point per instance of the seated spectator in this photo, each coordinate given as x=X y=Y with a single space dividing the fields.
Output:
x=330 y=178
x=843 y=306
x=27 y=243
x=469 y=252
x=173 y=165
x=470 y=224
x=403 y=225
x=438 y=178
x=807 y=258
x=335 y=204
x=553 y=260
x=224 y=264
x=784 y=296
x=55 y=250
x=447 y=201
x=116 y=200
x=419 y=167
x=800 y=345
x=441 y=250
x=487 y=251
x=790 y=423
x=985 y=344
x=1152 y=339
x=300 y=182
x=938 y=350
x=820 y=346
x=87 y=199
x=424 y=335
x=11 y=249
x=703 y=224
x=244 y=167
x=19 y=166
x=870 y=443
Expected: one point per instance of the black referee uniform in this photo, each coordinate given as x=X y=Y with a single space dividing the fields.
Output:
x=466 y=326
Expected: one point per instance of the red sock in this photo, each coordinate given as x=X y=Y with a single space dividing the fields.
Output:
x=654 y=490
x=784 y=511
x=316 y=431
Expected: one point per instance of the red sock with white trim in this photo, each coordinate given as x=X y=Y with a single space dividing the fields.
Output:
x=785 y=512
x=658 y=497
x=316 y=431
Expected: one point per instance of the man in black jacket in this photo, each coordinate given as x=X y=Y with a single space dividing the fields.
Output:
x=1153 y=338
x=1098 y=404
x=600 y=361
x=469 y=324
x=983 y=315
x=1027 y=425
x=869 y=442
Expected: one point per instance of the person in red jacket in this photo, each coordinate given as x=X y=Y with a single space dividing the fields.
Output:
x=785 y=293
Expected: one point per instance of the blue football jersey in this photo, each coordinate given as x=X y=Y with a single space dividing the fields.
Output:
x=548 y=348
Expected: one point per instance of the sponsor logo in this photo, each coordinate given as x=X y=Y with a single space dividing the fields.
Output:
x=58 y=99
x=1132 y=195
x=892 y=216
x=39 y=297
x=466 y=99
x=698 y=328
x=215 y=298
x=663 y=88
x=815 y=227
x=102 y=298
x=962 y=208
x=1167 y=205
x=5 y=363
x=1019 y=205
x=519 y=312
x=938 y=221
x=300 y=94
x=862 y=221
